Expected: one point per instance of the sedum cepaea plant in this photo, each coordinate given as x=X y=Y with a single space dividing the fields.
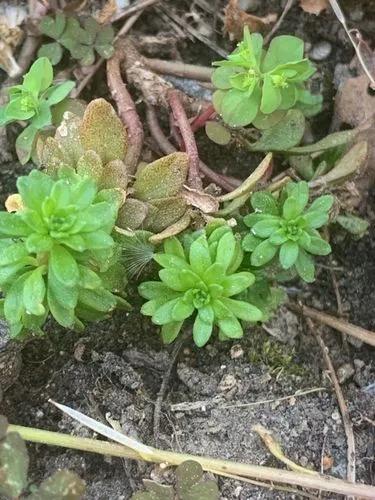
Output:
x=258 y=86
x=202 y=281
x=31 y=102
x=53 y=251
x=288 y=228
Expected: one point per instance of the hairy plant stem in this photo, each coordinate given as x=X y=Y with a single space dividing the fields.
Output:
x=126 y=108
x=201 y=120
x=319 y=482
x=194 y=179
x=227 y=183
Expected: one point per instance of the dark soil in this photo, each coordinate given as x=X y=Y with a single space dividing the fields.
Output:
x=117 y=367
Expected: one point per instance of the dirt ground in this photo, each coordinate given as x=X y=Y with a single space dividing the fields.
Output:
x=217 y=393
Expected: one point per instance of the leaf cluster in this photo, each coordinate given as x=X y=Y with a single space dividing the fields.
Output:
x=287 y=228
x=81 y=39
x=201 y=280
x=14 y=465
x=96 y=145
x=31 y=101
x=189 y=486
x=55 y=251
x=258 y=86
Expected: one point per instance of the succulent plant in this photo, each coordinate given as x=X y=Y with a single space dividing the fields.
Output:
x=55 y=250
x=256 y=86
x=96 y=145
x=286 y=228
x=82 y=40
x=14 y=465
x=31 y=102
x=200 y=280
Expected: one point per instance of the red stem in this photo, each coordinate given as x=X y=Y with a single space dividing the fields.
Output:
x=201 y=120
x=182 y=121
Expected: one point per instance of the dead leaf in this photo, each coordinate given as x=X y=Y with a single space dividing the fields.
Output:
x=204 y=201
x=14 y=203
x=314 y=6
x=354 y=103
x=172 y=230
x=236 y=19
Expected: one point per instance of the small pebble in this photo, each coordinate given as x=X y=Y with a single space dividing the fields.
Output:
x=236 y=351
x=336 y=416
x=227 y=383
x=320 y=51
x=359 y=364
x=345 y=372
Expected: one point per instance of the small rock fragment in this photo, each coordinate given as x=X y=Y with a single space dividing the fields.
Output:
x=227 y=383
x=236 y=351
x=345 y=372
x=320 y=51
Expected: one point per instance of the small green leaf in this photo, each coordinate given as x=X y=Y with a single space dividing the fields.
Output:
x=237 y=283
x=322 y=204
x=164 y=314
x=263 y=254
x=182 y=310
x=282 y=50
x=170 y=331
x=14 y=464
x=271 y=96
x=354 y=225
x=243 y=310
x=58 y=92
x=250 y=242
x=264 y=202
x=64 y=266
x=288 y=254
x=199 y=255
x=318 y=246
x=231 y=327
x=225 y=252
x=201 y=331
x=34 y=291
x=238 y=109
x=62 y=485
x=265 y=228
x=315 y=219
x=221 y=77
x=53 y=51
x=25 y=142
x=39 y=76
x=305 y=266
x=218 y=133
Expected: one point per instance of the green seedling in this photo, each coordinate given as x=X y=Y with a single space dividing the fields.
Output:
x=81 y=39
x=258 y=86
x=287 y=229
x=32 y=102
x=14 y=465
x=55 y=251
x=200 y=280
x=189 y=486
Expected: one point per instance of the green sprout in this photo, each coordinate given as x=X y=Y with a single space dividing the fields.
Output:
x=255 y=85
x=54 y=250
x=201 y=279
x=31 y=102
x=287 y=228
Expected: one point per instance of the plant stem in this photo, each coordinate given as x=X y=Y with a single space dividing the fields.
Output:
x=157 y=133
x=126 y=109
x=201 y=120
x=338 y=324
x=319 y=482
x=178 y=68
x=182 y=121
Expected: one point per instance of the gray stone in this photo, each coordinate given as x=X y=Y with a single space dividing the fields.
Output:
x=320 y=51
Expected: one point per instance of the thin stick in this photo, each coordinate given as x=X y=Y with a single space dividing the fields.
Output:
x=278 y=23
x=323 y=482
x=338 y=324
x=348 y=427
x=182 y=121
x=133 y=9
x=178 y=68
x=276 y=400
x=157 y=133
x=126 y=108
x=163 y=387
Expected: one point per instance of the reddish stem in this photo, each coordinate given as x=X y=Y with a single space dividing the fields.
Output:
x=157 y=133
x=126 y=109
x=201 y=120
x=182 y=121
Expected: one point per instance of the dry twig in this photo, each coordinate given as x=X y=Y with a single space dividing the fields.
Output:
x=157 y=133
x=183 y=124
x=338 y=324
x=348 y=427
x=180 y=69
x=126 y=108
x=288 y=6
